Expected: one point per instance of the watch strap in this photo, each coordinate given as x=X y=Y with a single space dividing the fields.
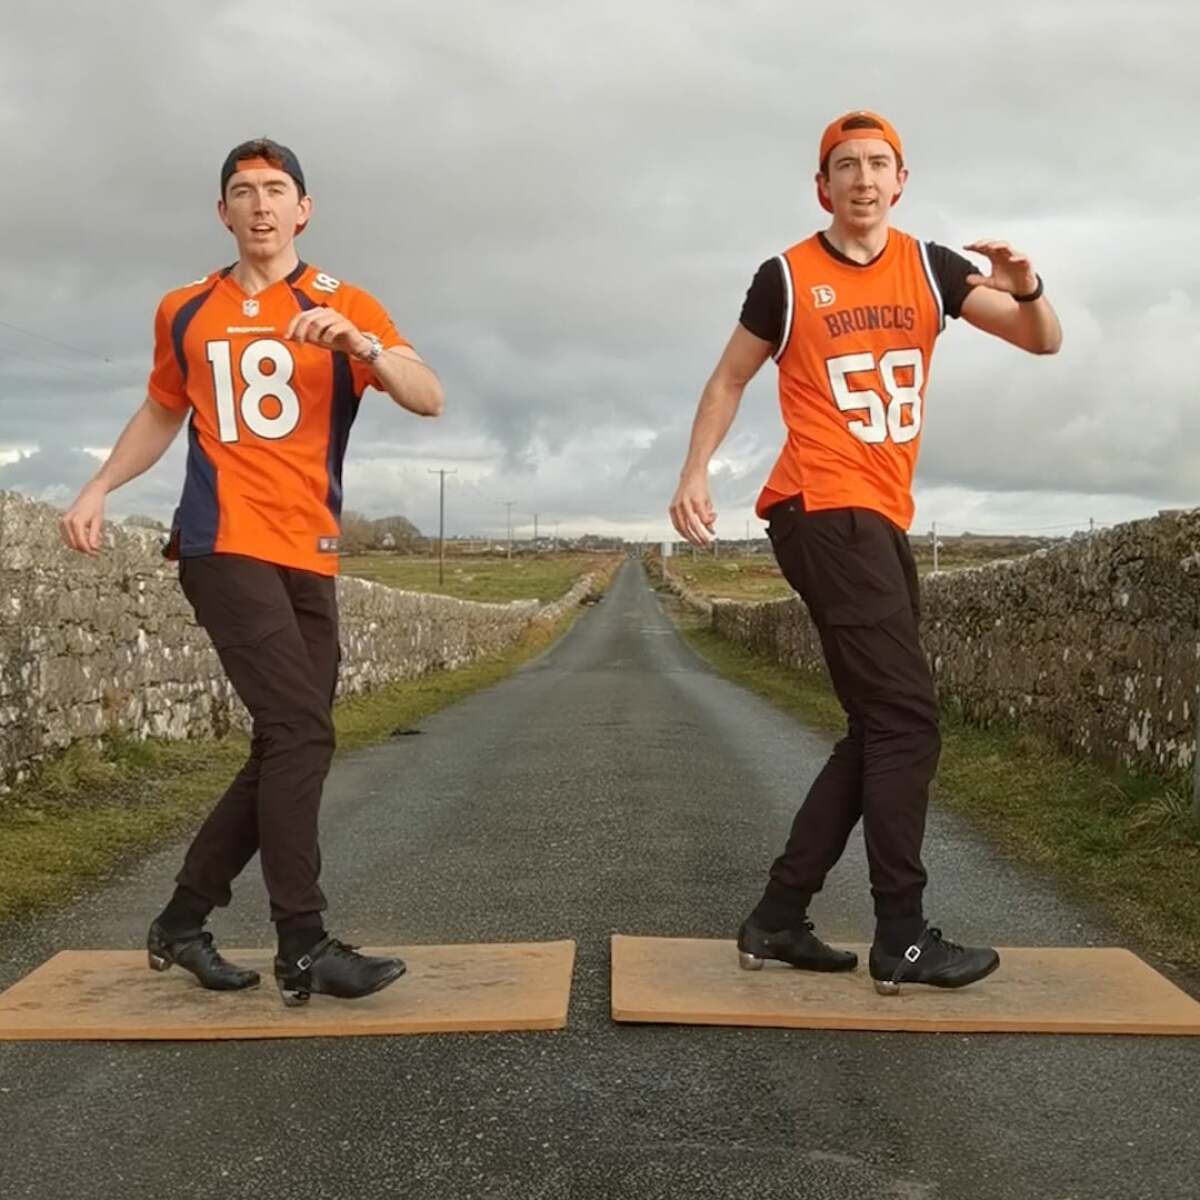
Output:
x=1029 y=297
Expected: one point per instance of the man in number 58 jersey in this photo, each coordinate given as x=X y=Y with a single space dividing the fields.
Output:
x=850 y=316
x=269 y=359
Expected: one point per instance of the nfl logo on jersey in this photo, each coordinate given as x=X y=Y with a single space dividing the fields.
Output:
x=823 y=296
x=250 y=308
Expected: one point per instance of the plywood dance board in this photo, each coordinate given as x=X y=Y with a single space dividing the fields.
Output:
x=692 y=981
x=112 y=994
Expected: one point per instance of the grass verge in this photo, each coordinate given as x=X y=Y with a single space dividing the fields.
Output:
x=97 y=808
x=755 y=577
x=1126 y=843
x=489 y=578
x=751 y=577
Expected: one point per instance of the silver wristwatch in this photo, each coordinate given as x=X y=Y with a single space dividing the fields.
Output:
x=374 y=352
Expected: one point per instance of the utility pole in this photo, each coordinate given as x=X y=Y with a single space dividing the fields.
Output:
x=508 y=504
x=555 y=535
x=442 y=473
x=535 y=532
x=933 y=535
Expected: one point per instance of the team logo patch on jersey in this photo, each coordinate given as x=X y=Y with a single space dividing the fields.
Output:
x=250 y=308
x=823 y=296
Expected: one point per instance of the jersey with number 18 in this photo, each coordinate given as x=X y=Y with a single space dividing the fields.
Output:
x=270 y=418
x=853 y=364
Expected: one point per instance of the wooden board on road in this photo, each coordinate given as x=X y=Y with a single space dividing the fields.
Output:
x=112 y=994
x=691 y=981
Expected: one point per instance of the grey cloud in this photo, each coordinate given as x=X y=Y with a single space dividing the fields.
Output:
x=54 y=475
x=50 y=474
x=562 y=208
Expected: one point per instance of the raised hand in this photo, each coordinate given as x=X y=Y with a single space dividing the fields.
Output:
x=328 y=328
x=1012 y=271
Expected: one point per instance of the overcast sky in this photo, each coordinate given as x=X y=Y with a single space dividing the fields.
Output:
x=562 y=206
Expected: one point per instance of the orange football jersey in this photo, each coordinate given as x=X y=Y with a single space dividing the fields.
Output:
x=853 y=364
x=270 y=418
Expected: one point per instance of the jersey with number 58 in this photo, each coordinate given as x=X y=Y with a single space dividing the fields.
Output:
x=270 y=418
x=853 y=364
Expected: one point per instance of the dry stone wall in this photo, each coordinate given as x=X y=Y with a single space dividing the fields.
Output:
x=109 y=645
x=1095 y=642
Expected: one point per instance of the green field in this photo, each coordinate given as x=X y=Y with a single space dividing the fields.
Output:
x=492 y=578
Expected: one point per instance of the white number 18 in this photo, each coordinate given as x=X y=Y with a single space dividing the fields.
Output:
x=258 y=388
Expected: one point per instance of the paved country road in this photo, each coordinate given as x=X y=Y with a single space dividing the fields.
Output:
x=615 y=784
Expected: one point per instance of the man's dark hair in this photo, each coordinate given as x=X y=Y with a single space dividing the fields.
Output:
x=859 y=123
x=277 y=155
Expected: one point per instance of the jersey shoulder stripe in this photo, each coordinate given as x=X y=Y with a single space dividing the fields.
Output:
x=312 y=287
x=178 y=297
x=789 y=306
x=789 y=292
x=180 y=321
x=931 y=279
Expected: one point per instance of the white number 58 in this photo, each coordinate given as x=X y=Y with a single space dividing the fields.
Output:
x=881 y=419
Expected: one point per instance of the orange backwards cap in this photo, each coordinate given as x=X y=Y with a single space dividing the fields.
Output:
x=262 y=152
x=835 y=134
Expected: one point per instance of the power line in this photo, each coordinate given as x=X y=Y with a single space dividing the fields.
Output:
x=41 y=337
x=23 y=356
x=1006 y=531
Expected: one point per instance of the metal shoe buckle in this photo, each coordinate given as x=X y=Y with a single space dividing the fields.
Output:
x=891 y=987
x=304 y=962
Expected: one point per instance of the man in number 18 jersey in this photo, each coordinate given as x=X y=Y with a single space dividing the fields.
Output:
x=851 y=316
x=268 y=358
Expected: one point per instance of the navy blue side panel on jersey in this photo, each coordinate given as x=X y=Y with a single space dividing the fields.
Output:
x=343 y=408
x=183 y=318
x=196 y=516
x=195 y=520
x=342 y=411
x=302 y=298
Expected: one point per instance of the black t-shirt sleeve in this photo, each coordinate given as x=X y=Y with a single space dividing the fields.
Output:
x=762 y=310
x=950 y=270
